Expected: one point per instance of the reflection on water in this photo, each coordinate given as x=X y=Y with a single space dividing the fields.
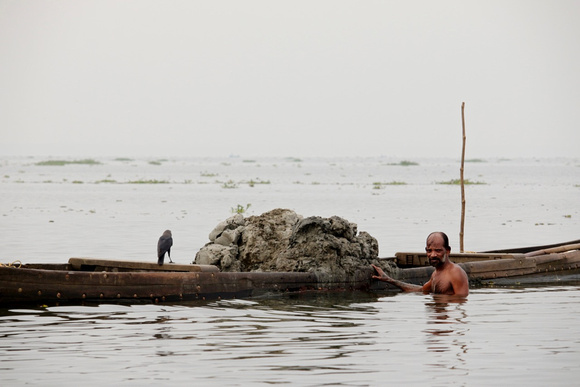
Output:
x=445 y=339
x=502 y=336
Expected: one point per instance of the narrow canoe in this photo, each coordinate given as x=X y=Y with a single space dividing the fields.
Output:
x=89 y=280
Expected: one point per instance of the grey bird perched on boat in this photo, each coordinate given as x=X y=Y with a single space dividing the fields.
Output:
x=164 y=246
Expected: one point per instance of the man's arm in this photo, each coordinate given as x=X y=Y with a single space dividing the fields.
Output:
x=460 y=282
x=404 y=286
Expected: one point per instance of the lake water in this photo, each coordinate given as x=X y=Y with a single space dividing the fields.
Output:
x=119 y=208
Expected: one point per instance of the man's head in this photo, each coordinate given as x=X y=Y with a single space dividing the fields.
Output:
x=437 y=248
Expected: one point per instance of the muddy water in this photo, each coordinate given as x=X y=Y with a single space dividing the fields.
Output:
x=498 y=336
x=118 y=209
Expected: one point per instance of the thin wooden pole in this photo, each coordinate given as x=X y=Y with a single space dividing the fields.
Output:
x=462 y=182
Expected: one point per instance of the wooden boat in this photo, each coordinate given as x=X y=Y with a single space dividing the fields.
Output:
x=557 y=263
x=88 y=280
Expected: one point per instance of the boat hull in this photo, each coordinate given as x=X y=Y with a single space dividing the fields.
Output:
x=20 y=285
x=85 y=280
x=553 y=268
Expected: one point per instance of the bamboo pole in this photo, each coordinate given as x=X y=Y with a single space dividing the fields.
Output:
x=462 y=182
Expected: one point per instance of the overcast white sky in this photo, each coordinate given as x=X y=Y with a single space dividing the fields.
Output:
x=289 y=78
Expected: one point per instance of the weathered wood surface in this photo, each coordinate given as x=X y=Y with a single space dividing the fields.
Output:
x=40 y=285
x=92 y=280
x=96 y=264
x=558 y=249
x=533 y=248
x=416 y=259
x=547 y=265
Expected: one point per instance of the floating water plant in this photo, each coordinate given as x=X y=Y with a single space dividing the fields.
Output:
x=239 y=209
x=208 y=174
x=66 y=162
x=143 y=181
x=253 y=182
x=475 y=161
x=407 y=163
x=458 y=182
x=229 y=184
x=379 y=185
x=404 y=163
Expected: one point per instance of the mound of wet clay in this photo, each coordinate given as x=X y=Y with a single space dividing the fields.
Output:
x=281 y=240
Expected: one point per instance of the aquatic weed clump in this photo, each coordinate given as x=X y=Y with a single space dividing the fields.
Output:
x=151 y=181
x=381 y=185
x=60 y=163
x=230 y=184
x=404 y=163
x=458 y=182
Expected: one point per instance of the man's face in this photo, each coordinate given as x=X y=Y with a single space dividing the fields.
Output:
x=436 y=251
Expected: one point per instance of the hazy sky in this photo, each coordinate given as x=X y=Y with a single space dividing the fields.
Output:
x=289 y=78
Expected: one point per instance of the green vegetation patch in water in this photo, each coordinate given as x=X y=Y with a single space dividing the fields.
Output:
x=404 y=163
x=253 y=182
x=458 y=182
x=66 y=162
x=240 y=209
x=380 y=185
x=151 y=181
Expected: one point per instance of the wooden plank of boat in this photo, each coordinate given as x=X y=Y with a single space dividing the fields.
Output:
x=533 y=248
x=557 y=249
x=541 y=264
x=517 y=267
x=138 y=281
x=96 y=264
x=410 y=259
x=27 y=285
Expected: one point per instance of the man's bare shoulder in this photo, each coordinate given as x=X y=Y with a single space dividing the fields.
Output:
x=458 y=270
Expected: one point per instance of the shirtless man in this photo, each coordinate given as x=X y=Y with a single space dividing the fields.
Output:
x=448 y=277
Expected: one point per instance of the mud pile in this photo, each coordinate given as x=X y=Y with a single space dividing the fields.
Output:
x=281 y=240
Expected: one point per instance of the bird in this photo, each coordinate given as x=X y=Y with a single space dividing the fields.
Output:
x=164 y=246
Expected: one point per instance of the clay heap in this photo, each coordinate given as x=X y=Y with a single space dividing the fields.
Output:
x=281 y=240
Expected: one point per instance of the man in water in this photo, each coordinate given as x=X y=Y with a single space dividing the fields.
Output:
x=448 y=277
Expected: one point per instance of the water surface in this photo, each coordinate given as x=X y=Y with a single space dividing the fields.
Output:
x=497 y=336
x=118 y=209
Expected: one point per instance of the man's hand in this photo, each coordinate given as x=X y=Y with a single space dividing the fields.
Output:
x=400 y=284
x=381 y=274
